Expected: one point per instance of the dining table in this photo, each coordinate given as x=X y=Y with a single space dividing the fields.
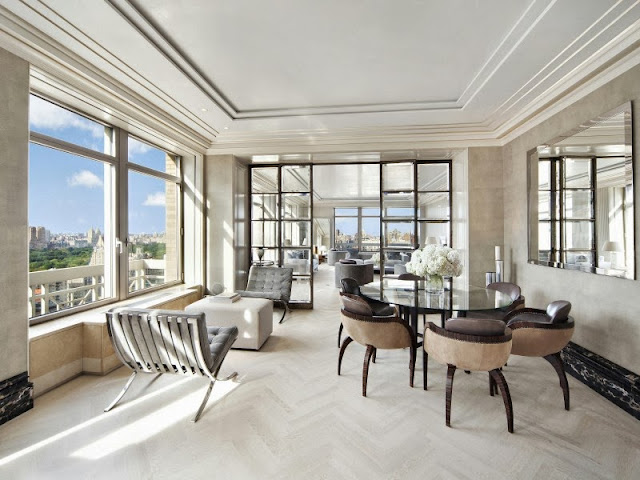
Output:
x=413 y=298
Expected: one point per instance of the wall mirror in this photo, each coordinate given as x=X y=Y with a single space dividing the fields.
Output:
x=581 y=198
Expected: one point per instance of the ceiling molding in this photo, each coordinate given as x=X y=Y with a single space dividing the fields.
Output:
x=48 y=55
x=152 y=34
x=606 y=64
x=63 y=53
x=556 y=75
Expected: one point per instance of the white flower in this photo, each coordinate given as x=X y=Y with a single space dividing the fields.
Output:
x=435 y=260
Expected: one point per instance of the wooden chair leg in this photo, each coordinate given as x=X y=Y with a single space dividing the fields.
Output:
x=425 y=361
x=412 y=365
x=345 y=344
x=451 y=370
x=373 y=357
x=556 y=360
x=340 y=333
x=365 y=368
x=499 y=379
x=493 y=388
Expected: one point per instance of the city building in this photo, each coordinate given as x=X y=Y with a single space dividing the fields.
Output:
x=204 y=138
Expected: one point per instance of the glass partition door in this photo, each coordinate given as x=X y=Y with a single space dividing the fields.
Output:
x=281 y=233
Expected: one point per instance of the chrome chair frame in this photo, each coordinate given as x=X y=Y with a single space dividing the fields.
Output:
x=167 y=341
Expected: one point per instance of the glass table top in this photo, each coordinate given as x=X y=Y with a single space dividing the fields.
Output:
x=456 y=297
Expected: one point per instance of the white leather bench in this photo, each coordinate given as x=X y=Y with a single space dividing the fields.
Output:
x=252 y=316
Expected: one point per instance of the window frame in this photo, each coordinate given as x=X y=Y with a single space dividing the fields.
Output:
x=119 y=206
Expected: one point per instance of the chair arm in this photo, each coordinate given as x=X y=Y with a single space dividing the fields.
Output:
x=518 y=324
x=519 y=311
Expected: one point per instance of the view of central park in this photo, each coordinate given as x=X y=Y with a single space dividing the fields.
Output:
x=46 y=258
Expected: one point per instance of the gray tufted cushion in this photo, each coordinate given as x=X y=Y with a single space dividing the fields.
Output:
x=220 y=341
x=558 y=311
x=475 y=326
x=269 y=282
x=507 y=288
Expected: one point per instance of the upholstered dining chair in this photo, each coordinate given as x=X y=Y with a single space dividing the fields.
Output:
x=380 y=309
x=544 y=333
x=374 y=332
x=409 y=276
x=472 y=344
x=169 y=341
x=272 y=283
x=510 y=289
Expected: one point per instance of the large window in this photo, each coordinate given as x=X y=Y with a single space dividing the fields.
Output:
x=153 y=217
x=76 y=239
x=357 y=229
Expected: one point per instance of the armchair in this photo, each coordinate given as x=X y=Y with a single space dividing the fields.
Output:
x=473 y=344
x=272 y=283
x=169 y=341
x=374 y=332
x=540 y=333
x=510 y=289
x=380 y=309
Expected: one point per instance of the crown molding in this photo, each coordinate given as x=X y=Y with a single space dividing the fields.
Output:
x=604 y=65
x=52 y=59
x=158 y=113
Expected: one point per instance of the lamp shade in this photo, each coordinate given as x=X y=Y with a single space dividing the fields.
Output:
x=432 y=240
x=612 y=247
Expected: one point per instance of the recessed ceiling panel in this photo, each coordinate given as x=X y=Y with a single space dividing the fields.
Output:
x=308 y=54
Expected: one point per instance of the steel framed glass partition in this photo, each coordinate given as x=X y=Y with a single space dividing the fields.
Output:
x=415 y=197
x=281 y=213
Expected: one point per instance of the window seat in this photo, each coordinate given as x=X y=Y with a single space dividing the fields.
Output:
x=66 y=347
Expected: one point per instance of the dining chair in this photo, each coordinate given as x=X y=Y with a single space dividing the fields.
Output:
x=544 y=333
x=507 y=288
x=374 y=332
x=472 y=344
x=380 y=309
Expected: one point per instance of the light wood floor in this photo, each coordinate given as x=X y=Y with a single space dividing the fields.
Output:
x=290 y=416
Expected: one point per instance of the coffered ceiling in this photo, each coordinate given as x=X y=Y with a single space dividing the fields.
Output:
x=250 y=77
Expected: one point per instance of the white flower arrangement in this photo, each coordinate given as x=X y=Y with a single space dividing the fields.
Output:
x=435 y=260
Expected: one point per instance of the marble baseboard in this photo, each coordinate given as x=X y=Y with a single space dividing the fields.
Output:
x=16 y=396
x=615 y=383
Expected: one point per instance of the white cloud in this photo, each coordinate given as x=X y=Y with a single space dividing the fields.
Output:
x=157 y=199
x=43 y=114
x=84 y=178
x=137 y=148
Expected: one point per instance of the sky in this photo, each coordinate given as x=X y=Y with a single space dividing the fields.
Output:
x=66 y=192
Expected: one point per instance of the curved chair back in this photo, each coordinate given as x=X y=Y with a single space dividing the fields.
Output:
x=162 y=341
x=350 y=285
x=558 y=311
x=366 y=329
x=507 y=288
x=469 y=352
x=409 y=276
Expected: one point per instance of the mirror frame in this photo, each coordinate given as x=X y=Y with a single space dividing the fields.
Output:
x=599 y=150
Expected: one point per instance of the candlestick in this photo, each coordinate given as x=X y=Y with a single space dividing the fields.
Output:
x=499 y=270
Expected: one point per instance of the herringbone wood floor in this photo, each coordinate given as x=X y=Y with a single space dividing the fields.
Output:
x=290 y=416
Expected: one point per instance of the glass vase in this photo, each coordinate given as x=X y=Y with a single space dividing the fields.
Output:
x=434 y=284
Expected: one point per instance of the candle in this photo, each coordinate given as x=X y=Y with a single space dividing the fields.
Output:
x=498 y=252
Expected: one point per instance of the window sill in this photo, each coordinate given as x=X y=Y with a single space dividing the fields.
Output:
x=96 y=316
